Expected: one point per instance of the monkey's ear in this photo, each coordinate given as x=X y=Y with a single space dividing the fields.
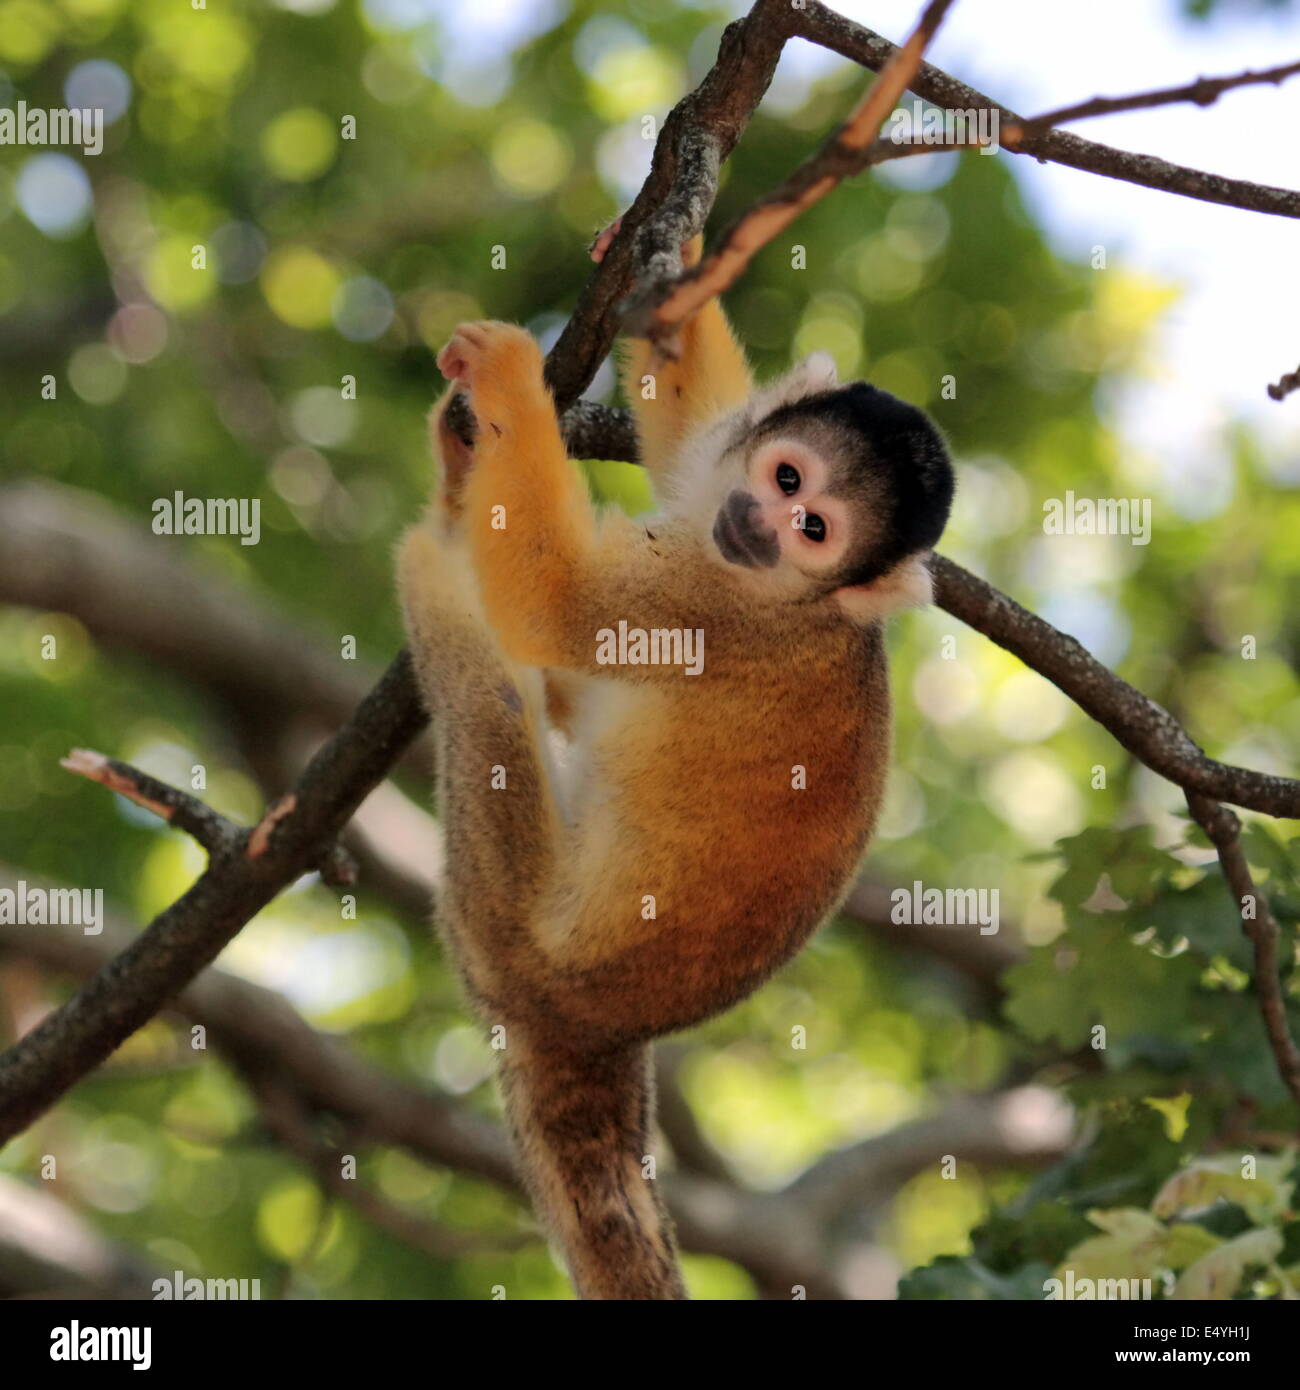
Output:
x=819 y=371
x=907 y=585
x=815 y=374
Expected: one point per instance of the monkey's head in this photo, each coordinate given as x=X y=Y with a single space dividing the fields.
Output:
x=816 y=491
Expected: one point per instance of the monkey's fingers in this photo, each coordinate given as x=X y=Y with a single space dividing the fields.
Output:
x=603 y=239
x=691 y=250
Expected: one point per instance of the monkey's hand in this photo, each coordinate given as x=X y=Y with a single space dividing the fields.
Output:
x=527 y=513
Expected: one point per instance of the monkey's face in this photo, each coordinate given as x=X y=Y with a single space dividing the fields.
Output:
x=829 y=495
x=784 y=515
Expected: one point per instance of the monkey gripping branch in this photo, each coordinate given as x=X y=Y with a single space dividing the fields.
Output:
x=641 y=284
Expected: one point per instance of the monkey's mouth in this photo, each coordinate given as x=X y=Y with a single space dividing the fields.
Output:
x=738 y=540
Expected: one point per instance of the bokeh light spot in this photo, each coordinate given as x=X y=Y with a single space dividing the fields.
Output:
x=300 y=286
x=299 y=145
x=54 y=194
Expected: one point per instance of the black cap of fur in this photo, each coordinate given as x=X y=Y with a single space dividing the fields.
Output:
x=899 y=462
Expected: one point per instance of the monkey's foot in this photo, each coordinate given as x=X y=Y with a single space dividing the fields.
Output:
x=455 y=455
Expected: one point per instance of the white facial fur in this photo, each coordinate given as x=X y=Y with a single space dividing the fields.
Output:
x=696 y=477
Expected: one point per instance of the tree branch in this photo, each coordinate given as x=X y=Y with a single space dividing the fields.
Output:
x=660 y=307
x=70 y=553
x=184 y=938
x=823 y=26
x=697 y=136
x=1144 y=728
x=290 y=1122
x=1260 y=927
x=1205 y=91
x=1030 y=1126
x=268 y=1042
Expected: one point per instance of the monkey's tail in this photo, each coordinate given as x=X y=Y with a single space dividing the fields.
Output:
x=581 y=1124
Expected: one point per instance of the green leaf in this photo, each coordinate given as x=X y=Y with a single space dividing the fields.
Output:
x=1127 y=857
x=1132 y=1247
x=1263 y=1197
x=1265 y=849
x=1188 y=1242
x=963 y=1278
x=1204 y=914
x=1218 y=1274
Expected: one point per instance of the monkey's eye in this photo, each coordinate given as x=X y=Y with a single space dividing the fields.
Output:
x=814 y=527
x=787 y=478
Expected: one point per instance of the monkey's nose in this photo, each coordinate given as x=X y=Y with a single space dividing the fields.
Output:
x=758 y=543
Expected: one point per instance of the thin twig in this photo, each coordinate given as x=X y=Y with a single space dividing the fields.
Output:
x=1280 y=390
x=210 y=828
x=218 y=835
x=1261 y=929
x=821 y=25
x=1205 y=91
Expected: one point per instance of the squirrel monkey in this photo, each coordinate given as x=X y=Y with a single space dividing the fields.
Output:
x=701 y=825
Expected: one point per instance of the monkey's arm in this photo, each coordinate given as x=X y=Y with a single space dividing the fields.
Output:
x=709 y=378
x=550 y=578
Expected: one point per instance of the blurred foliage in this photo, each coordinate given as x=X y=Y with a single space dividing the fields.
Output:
x=248 y=255
x=1155 y=986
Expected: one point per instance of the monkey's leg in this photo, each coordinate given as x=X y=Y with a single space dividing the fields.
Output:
x=495 y=799
x=580 y=1116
